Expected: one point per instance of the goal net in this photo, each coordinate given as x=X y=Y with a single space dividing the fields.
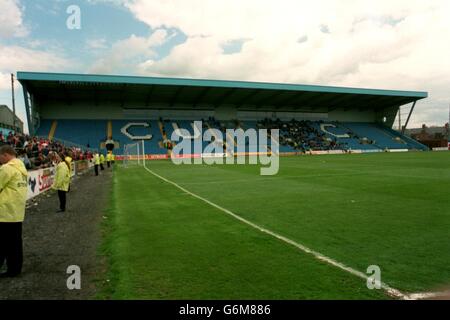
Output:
x=133 y=154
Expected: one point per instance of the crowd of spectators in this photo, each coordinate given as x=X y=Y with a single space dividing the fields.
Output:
x=36 y=152
x=301 y=135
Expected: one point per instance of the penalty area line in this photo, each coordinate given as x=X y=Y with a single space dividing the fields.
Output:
x=389 y=290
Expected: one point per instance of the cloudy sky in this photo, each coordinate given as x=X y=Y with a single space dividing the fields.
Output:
x=387 y=44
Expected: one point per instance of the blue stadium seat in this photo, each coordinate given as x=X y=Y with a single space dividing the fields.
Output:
x=94 y=132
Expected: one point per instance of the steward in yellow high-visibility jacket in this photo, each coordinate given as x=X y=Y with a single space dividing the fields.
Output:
x=13 y=196
x=96 y=163
x=62 y=177
x=97 y=159
x=102 y=161
x=108 y=158
x=62 y=183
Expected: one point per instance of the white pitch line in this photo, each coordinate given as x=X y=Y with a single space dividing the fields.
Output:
x=428 y=295
x=390 y=291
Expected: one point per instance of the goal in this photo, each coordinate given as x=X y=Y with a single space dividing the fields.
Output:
x=134 y=154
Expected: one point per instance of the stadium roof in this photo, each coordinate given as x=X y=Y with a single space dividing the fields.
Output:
x=196 y=93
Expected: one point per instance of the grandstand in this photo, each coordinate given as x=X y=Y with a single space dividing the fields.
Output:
x=88 y=110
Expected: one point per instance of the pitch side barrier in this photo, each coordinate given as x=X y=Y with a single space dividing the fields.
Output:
x=249 y=154
x=442 y=148
x=41 y=180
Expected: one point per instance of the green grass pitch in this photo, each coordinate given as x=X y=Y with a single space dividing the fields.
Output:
x=390 y=210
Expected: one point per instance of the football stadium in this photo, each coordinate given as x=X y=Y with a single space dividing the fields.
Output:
x=356 y=209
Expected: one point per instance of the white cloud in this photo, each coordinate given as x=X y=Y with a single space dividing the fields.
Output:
x=129 y=52
x=16 y=58
x=11 y=23
x=96 y=44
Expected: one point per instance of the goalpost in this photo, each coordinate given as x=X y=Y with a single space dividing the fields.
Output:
x=134 y=154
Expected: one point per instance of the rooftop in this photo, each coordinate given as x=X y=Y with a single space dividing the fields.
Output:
x=195 y=93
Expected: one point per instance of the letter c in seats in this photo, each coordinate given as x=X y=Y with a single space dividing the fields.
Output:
x=125 y=131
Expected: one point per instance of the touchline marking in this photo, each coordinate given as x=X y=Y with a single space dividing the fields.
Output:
x=389 y=290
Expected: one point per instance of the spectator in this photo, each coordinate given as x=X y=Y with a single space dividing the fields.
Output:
x=36 y=152
x=24 y=157
x=62 y=181
x=13 y=195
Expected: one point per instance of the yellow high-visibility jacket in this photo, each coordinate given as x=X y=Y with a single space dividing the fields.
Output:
x=102 y=158
x=13 y=191
x=113 y=157
x=62 y=177
x=109 y=157
x=96 y=159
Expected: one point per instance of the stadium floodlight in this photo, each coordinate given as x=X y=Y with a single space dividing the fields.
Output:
x=132 y=154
